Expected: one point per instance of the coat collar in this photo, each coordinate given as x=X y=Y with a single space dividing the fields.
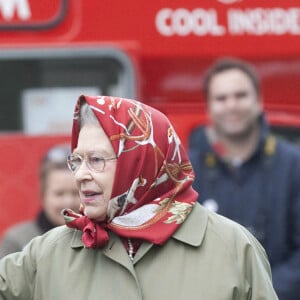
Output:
x=76 y=239
x=191 y=232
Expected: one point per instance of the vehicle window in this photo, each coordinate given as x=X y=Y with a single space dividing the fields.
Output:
x=38 y=89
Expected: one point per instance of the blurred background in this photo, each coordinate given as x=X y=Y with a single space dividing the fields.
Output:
x=52 y=51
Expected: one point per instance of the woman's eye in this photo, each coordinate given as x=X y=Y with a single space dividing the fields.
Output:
x=96 y=159
x=76 y=160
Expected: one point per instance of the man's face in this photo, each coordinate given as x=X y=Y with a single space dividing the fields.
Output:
x=233 y=104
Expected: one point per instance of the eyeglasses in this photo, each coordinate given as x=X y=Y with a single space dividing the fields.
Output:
x=94 y=161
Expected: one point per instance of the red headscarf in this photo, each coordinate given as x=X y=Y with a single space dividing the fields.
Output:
x=152 y=193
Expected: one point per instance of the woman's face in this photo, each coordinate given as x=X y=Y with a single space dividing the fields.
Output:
x=95 y=188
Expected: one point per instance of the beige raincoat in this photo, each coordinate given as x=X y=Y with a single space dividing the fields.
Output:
x=208 y=258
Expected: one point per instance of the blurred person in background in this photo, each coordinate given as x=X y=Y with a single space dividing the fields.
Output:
x=245 y=173
x=141 y=234
x=58 y=191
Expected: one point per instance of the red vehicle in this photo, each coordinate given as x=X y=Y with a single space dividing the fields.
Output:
x=156 y=51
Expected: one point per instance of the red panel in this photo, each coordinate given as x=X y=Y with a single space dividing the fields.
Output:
x=176 y=28
x=176 y=84
x=19 y=161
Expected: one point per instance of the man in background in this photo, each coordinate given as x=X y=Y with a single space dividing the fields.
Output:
x=245 y=173
x=58 y=190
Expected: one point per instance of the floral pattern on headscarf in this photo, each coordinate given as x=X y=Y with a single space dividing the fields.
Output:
x=152 y=192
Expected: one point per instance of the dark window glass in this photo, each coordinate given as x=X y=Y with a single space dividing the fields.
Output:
x=18 y=75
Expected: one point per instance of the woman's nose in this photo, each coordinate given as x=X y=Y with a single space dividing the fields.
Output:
x=83 y=172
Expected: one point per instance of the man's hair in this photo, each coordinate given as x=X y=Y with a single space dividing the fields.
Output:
x=225 y=64
x=54 y=159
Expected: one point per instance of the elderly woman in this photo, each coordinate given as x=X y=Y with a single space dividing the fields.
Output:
x=140 y=233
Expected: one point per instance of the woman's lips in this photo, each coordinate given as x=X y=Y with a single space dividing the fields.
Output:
x=89 y=196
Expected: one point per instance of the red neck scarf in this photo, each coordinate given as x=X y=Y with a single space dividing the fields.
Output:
x=152 y=193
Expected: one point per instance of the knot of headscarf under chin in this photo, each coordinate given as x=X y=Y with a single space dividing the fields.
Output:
x=94 y=234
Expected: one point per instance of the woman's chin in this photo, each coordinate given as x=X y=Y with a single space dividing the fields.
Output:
x=96 y=216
